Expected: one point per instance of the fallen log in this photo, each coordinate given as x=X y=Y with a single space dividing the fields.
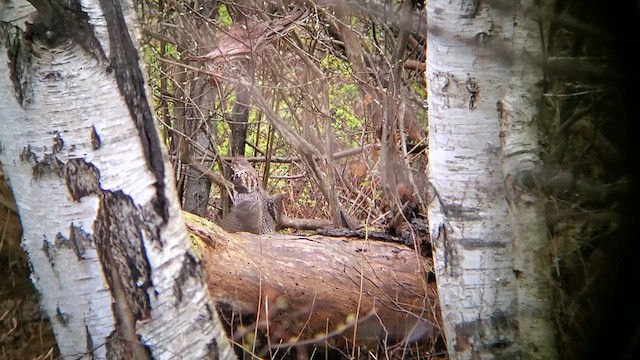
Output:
x=303 y=289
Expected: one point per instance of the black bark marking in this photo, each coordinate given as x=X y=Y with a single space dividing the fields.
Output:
x=461 y=212
x=57 y=22
x=49 y=165
x=528 y=180
x=62 y=317
x=61 y=241
x=82 y=179
x=478 y=243
x=89 y=349
x=38 y=31
x=96 y=143
x=46 y=13
x=190 y=269
x=482 y=38
x=118 y=232
x=48 y=251
x=27 y=154
x=53 y=76
x=19 y=58
x=61 y=20
x=469 y=9
x=58 y=143
x=525 y=152
x=210 y=312
x=124 y=60
x=451 y=256
x=80 y=241
x=474 y=92
x=518 y=273
x=213 y=352
x=491 y=333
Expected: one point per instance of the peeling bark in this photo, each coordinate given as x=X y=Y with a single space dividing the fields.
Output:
x=101 y=225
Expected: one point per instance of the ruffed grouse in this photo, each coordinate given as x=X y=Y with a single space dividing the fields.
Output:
x=253 y=209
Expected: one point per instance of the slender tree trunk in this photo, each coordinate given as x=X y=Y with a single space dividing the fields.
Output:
x=491 y=259
x=200 y=127
x=199 y=108
x=101 y=220
x=239 y=120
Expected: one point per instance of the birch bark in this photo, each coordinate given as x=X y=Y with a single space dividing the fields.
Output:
x=101 y=225
x=480 y=119
x=519 y=112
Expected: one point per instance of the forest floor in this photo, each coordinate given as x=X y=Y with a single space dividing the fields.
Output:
x=25 y=332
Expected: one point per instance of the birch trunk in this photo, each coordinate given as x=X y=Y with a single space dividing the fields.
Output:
x=490 y=255
x=101 y=225
x=519 y=113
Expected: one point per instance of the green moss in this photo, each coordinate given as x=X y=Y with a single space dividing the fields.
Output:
x=224 y=16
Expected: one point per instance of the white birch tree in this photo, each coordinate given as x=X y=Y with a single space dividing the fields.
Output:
x=486 y=219
x=101 y=220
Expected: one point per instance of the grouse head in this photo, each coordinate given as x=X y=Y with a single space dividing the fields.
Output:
x=244 y=177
